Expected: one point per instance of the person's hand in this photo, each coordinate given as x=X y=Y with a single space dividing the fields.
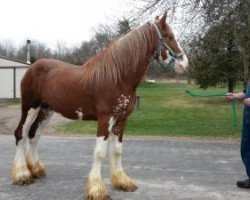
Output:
x=247 y=101
x=238 y=96
x=230 y=96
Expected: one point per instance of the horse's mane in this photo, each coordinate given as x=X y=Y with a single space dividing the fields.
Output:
x=121 y=57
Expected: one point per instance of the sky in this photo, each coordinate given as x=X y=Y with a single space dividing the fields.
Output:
x=49 y=21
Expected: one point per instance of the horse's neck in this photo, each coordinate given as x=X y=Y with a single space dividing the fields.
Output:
x=135 y=76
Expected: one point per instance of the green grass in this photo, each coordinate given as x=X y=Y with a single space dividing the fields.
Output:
x=166 y=109
x=13 y=101
x=10 y=101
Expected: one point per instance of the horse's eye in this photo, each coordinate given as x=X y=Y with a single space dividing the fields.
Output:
x=165 y=36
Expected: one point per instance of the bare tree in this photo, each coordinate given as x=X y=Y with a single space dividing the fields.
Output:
x=61 y=49
x=194 y=20
x=8 y=49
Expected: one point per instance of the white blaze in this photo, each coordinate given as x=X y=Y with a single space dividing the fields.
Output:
x=181 y=64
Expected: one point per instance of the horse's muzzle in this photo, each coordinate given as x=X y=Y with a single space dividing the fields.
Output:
x=182 y=61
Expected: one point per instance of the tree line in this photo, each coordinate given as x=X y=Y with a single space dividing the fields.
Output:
x=214 y=33
x=103 y=35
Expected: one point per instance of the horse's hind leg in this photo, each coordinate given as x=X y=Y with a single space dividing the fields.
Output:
x=20 y=172
x=35 y=166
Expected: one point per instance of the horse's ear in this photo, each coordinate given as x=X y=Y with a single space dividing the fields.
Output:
x=157 y=19
x=164 y=17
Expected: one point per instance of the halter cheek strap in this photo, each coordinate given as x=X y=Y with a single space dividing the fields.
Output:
x=163 y=44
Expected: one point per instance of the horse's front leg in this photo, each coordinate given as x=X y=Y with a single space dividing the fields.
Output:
x=119 y=179
x=95 y=188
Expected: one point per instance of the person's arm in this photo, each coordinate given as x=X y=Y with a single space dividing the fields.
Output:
x=238 y=96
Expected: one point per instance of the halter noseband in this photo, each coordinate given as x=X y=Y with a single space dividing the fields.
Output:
x=163 y=45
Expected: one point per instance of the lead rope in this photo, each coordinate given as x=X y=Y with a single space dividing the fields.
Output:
x=218 y=95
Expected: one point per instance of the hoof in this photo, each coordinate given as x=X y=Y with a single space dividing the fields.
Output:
x=23 y=180
x=21 y=176
x=37 y=170
x=95 y=190
x=120 y=181
x=107 y=197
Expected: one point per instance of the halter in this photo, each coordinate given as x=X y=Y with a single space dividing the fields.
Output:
x=163 y=45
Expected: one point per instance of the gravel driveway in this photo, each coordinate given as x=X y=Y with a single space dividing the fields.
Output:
x=164 y=168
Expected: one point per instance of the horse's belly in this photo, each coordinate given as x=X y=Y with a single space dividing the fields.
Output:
x=75 y=114
x=71 y=110
x=69 y=105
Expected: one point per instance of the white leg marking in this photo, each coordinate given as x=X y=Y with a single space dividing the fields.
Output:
x=31 y=150
x=95 y=188
x=20 y=149
x=32 y=114
x=99 y=155
x=119 y=178
x=19 y=164
x=115 y=147
x=115 y=154
x=20 y=169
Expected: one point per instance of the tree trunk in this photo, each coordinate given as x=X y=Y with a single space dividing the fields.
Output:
x=230 y=85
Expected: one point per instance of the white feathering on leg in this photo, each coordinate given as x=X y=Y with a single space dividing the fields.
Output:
x=32 y=158
x=20 y=171
x=95 y=188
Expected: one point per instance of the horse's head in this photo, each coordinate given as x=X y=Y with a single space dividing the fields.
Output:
x=169 y=45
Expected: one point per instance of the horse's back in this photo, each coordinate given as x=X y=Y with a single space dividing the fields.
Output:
x=39 y=73
x=46 y=65
x=42 y=67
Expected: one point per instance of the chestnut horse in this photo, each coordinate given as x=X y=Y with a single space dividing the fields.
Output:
x=103 y=89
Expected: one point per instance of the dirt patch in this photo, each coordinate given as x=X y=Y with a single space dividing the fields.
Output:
x=10 y=116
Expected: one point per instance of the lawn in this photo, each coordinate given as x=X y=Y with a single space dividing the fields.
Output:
x=167 y=110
